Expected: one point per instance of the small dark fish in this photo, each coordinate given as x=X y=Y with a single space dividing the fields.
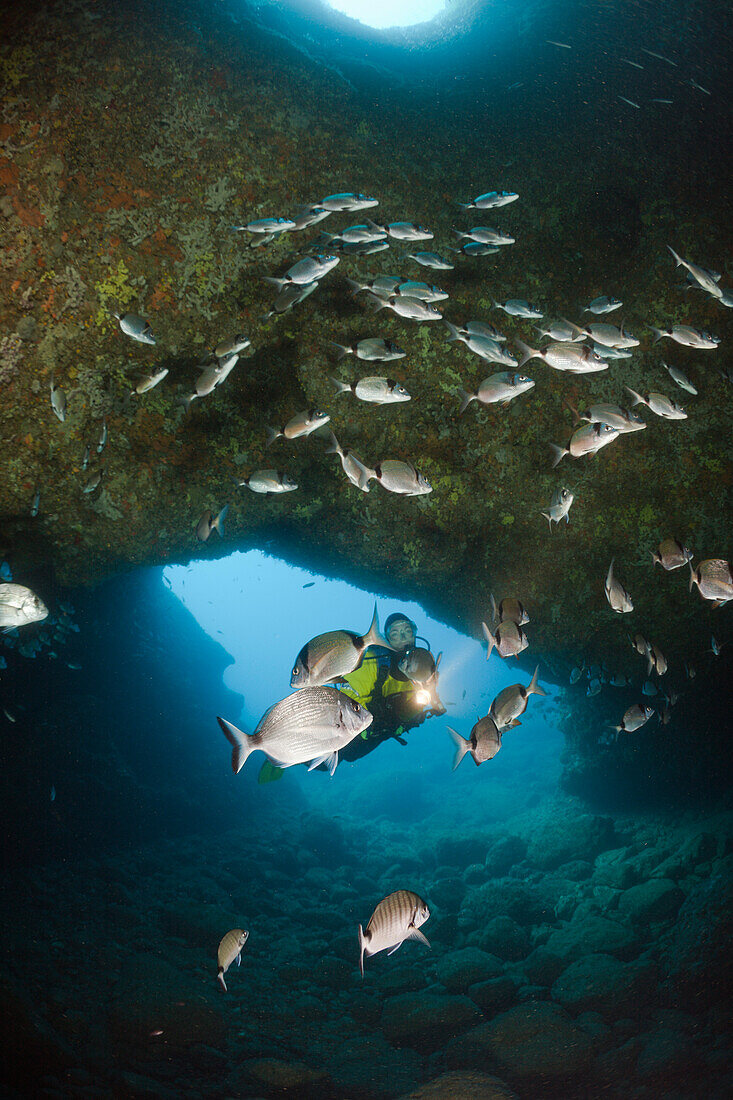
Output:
x=309 y=584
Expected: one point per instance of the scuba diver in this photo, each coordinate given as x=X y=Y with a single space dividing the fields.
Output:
x=398 y=686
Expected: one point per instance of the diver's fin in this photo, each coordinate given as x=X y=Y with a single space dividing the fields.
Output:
x=269 y=773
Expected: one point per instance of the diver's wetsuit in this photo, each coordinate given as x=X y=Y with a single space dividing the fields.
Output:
x=379 y=685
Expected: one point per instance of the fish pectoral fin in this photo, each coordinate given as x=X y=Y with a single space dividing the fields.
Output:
x=416 y=934
x=331 y=759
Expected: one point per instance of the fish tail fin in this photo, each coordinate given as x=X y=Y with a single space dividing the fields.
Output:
x=373 y=225
x=218 y=523
x=220 y=979
x=638 y=399
x=650 y=664
x=490 y=639
x=459 y=234
x=548 y=518
x=373 y=635
x=533 y=687
x=466 y=205
x=241 y=744
x=678 y=261
x=271 y=435
x=692 y=575
x=494 y=613
x=559 y=453
x=658 y=334
x=453 y=330
x=362 y=946
x=355 y=287
x=466 y=399
x=576 y=415
x=342 y=349
x=334 y=447
x=462 y=746
x=340 y=387
x=655 y=557
x=527 y=353
x=366 y=475
x=376 y=303
x=279 y=283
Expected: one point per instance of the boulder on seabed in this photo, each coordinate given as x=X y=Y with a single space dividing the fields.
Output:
x=462 y=1085
x=651 y=902
x=563 y=836
x=533 y=1041
x=592 y=934
x=459 y=969
x=423 y=1020
x=601 y=983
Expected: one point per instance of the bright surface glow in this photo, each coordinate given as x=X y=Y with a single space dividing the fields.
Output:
x=389 y=13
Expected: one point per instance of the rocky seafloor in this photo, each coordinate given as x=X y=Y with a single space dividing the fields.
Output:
x=573 y=956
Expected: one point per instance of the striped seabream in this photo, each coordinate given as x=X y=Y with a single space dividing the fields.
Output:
x=230 y=949
x=311 y=725
x=397 y=918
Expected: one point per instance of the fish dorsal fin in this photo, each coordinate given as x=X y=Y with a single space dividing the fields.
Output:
x=373 y=635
